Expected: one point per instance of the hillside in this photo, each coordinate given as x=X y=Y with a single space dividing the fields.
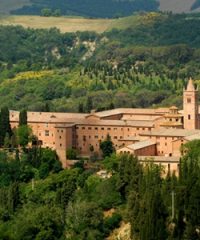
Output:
x=97 y=8
x=122 y=67
x=90 y=8
x=9 y=5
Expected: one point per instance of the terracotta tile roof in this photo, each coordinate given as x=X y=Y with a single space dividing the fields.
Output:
x=171 y=132
x=53 y=117
x=193 y=137
x=131 y=138
x=144 y=111
x=141 y=144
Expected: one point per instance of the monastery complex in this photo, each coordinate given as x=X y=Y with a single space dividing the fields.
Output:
x=148 y=133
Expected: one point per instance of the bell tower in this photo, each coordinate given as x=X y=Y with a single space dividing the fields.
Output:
x=190 y=106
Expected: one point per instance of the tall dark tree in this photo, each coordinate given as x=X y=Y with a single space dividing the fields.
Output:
x=23 y=117
x=4 y=125
x=89 y=104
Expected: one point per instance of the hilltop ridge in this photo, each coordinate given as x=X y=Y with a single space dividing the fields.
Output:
x=98 y=8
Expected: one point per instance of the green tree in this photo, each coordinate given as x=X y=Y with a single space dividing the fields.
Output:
x=84 y=220
x=71 y=154
x=46 y=12
x=107 y=147
x=24 y=135
x=4 y=125
x=23 y=117
x=89 y=104
x=57 y=13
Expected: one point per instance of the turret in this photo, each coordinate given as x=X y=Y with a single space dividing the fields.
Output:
x=190 y=106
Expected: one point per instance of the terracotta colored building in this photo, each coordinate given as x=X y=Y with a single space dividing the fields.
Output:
x=143 y=132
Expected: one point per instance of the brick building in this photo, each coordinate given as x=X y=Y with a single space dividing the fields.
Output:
x=143 y=132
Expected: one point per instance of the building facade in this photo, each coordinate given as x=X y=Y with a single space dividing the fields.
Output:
x=143 y=132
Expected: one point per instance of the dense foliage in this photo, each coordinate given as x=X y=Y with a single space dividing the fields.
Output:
x=82 y=71
x=90 y=8
x=39 y=200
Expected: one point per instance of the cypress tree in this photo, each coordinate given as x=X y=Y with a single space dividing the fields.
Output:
x=4 y=125
x=23 y=117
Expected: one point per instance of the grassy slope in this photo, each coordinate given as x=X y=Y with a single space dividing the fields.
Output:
x=65 y=24
x=72 y=24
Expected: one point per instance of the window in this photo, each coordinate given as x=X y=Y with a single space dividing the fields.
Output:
x=115 y=137
x=61 y=145
x=46 y=133
x=96 y=136
x=83 y=128
x=60 y=137
x=96 y=128
x=188 y=100
x=89 y=128
x=189 y=117
x=108 y=128
x=102 y=128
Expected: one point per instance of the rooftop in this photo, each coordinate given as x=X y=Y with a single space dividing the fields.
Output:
x=96 y=122
x=158 y=111
x=171 y=132
x=141 y=144
x=131 y=138
x=54 y=117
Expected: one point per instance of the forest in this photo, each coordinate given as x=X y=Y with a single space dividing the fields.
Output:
x=89 y=8
x=81 y=71
x=39 y=200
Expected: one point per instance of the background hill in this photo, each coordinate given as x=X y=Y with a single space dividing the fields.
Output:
x=121 y=67
x=97 y=8
x=8 y=5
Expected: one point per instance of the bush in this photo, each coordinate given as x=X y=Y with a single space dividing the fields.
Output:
x=110 y=223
